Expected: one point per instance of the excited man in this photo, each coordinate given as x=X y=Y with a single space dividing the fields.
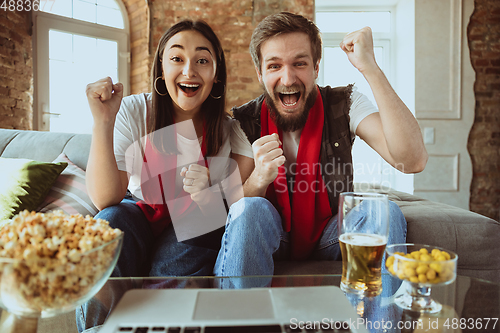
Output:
x=293 y=148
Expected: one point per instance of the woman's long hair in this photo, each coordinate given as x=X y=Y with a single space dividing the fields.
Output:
x=212 y=110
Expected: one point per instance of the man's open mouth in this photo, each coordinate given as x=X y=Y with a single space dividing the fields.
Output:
x=188 y=88
x=289 y=98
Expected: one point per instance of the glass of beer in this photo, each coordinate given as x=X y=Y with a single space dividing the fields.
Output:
x=363 y=225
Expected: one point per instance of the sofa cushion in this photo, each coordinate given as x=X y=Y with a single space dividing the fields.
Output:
x=25 y=183
x=69 y=192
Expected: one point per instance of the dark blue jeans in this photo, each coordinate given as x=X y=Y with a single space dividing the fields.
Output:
x=144 y=255
x=254 y=239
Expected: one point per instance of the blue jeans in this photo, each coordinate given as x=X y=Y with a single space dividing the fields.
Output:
x=254 y=239
x=144 y=255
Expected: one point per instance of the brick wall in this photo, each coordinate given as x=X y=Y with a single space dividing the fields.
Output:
x=484 y=138
x=138 y=15
x=16 y=70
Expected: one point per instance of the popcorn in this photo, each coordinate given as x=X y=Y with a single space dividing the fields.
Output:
x=56 y=263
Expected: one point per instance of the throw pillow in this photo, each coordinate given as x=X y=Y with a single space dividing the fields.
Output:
x=69 y=192
x=25 y=183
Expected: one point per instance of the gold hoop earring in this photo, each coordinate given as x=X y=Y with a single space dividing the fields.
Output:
x=218 y=97
x=156 y=89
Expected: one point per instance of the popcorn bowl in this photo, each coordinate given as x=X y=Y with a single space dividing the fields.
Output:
x=45 y=288
x=420 y=267
x=52 y=263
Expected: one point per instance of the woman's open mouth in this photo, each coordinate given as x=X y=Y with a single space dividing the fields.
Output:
x=188 y=88
x=289 y=98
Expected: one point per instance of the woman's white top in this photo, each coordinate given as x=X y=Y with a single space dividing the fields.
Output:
x=130 y=138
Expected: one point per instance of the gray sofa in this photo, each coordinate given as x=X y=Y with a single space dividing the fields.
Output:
x=475 y=238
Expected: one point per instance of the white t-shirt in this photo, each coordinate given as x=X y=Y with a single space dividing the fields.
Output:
x=130 y=138
x=361 y=107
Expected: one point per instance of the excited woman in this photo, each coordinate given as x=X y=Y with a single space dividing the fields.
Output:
x=155 y=157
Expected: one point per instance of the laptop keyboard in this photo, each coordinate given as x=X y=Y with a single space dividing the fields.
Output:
x=340 y=328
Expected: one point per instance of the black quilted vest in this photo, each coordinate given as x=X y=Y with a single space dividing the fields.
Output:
x=335 y=154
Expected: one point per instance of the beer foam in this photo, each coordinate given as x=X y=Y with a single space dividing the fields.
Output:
x=363 y=239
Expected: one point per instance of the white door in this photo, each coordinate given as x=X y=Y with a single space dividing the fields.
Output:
x=444 y=99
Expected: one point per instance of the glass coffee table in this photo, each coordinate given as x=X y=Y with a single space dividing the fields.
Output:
x=469 y=305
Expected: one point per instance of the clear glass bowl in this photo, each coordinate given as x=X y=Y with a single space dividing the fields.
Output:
x=421 y=267
x=45 y=287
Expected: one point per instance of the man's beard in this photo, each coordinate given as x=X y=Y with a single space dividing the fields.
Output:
x=290 y=123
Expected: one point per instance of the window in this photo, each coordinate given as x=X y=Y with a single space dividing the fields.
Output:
x=347 y=21
x=77 y=42
x=104 y=12
x=337 y=18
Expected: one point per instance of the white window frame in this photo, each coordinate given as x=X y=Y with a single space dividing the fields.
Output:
x=43 y=23
x=384 y=40
x=391 y=176
x=334 y=39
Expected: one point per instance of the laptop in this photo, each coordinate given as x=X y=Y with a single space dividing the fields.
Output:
x=287 y=309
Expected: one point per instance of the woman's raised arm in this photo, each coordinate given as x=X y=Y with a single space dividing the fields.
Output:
x=106 y=184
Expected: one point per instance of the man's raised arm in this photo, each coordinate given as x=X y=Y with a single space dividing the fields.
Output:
x=393 y=132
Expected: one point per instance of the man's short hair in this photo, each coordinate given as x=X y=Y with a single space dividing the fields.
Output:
x=283 y=23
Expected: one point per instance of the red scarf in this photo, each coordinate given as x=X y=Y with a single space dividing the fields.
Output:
x=158 y=170
x=310 y=210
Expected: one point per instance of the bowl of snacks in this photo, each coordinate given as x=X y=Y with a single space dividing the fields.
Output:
x=51 y=263
x=420 y=267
